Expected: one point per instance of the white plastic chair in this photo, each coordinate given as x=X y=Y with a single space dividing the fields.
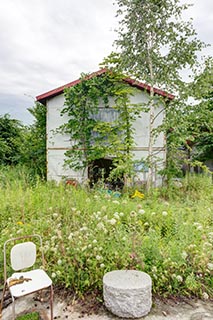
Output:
x=23 y=256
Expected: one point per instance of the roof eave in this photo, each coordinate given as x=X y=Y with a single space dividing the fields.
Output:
x=140 y=85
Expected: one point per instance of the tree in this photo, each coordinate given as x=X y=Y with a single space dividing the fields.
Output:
x=38 y=138
x=155 y=44
x=11 y=140
x=35 y=141
x=201 y=117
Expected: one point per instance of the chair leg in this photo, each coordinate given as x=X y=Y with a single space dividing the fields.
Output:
x=13 y=307
x=51 y=302
x=2 y=299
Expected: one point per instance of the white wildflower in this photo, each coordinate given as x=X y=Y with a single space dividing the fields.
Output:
x=53 y=275
x=199 y=227
x=192 y=246
x=141 y=211
x=133 y=213
x=184 y=255
x=164 y=213
x=210 y=236
x=104 y=208
x=116 y=215
x=112 y=221
x=100 y=226
x=207 y=244
x=83 y=229
x=154 y=269
x=98 y=257
x=70 y=236
x=179 y=278
x=205 y=296
x=196 y=224
x=102 y=265
x=55 y=215
x=94 y=241
x=210 y=266
x=59 y=262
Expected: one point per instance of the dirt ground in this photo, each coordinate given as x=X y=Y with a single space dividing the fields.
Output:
x=91 y=308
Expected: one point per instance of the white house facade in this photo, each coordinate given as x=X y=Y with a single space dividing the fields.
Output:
x=58 y=144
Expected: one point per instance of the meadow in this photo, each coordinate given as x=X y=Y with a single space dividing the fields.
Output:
x=168 y=233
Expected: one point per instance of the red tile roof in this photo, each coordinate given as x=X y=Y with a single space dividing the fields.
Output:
x=140 y=85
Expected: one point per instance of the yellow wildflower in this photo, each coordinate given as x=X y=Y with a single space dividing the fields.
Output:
x=138 y=194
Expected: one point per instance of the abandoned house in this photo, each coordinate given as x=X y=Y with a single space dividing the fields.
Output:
x=58 y=143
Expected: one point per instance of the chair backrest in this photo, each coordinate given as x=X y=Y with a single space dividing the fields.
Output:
x=23 y=255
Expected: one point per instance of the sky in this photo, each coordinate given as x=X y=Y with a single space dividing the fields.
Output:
x=45 y=44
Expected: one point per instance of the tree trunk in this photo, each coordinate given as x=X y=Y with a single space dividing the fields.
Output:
x=150 y=177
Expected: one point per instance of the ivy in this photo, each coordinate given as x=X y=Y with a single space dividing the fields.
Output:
x=100 y=122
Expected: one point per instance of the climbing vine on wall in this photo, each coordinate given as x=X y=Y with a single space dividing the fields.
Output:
x=100 y=122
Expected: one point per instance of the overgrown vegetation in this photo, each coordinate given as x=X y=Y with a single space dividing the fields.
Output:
x=24 y=145
x=168 y=234
x=100 y=122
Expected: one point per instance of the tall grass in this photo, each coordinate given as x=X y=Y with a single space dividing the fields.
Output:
x=168 y=234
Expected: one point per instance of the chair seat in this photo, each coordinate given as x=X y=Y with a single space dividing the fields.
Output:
x=39 y=280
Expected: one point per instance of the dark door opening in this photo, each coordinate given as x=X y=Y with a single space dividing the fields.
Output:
x=99 y=171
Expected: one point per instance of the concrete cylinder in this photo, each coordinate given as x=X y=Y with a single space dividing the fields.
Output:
x=127 y=293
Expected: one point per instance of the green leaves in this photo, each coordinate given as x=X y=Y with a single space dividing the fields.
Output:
x=200 y=119
x=35 y=141
x=155 y=45
x=100 y=119
x=11 y=140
